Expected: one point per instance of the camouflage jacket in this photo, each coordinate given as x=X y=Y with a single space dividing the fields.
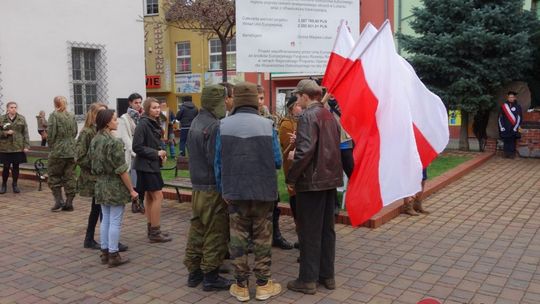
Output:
x=108 y=162
x=62 y=129
x=18 y=140
x=87 y=181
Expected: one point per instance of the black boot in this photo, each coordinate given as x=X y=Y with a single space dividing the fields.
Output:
x=122 y=247
x=58 y=200
x=69 y=203
x=3 y=188
x=91 y=244
x=15 y=188
x=195 y=278
x=213 y=281
x=277 y=238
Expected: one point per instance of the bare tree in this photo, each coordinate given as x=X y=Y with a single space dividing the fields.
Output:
x=209 y=17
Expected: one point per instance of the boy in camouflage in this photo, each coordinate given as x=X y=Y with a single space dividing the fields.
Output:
x=208 y=234
x=247 y=156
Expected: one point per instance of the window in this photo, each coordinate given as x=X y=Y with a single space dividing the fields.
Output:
x=183 y=57
x=85 y=82
x=215 y=54
x=151 y=7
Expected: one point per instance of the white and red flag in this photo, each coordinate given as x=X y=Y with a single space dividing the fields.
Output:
x=377 y=115
x=429 y=116
x=342 y=47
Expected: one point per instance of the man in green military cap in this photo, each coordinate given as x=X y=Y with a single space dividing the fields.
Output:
x=209 y=231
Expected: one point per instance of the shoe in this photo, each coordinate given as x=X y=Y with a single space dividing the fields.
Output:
x=303 y=287
x=296 y=245
x=329 y=284
x=91 y=244
x=282 y=244
x=267 y=291
x=214 y=282
x=116 y=260
x=104 y=256
x=69 y=203
x=408 y=208
x=417 y=206
x=122 y=247
x=148 y=231
x=16 y=188
x=3 y=189
x=157 y=237
x=195 y=278
x=240 y=293
x=58 y=200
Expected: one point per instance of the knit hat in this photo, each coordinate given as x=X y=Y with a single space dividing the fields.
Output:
x=245 y=94
x=213 y=100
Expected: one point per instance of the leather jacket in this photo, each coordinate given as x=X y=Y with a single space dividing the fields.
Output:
x=317 y=160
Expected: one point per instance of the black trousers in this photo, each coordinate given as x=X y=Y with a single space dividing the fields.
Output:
x=509 y=146
x=93 y=217
x=316 y=234
x=347 y=161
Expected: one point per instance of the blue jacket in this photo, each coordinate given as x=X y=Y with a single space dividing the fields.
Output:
x=247 y=157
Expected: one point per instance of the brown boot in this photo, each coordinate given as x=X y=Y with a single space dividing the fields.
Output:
x=417 y=206
x=116 y=260
x=157 y=237
x=104 y=256
x=148 y=225
x=408 y=208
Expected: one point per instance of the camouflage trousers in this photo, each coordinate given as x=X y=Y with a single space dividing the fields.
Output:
x=209 y=232
x=246 y=217
x=61 y=173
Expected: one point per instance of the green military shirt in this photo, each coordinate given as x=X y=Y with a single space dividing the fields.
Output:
x=87 y=181
x=18 y=140
x=62 y=129
x=108 y=162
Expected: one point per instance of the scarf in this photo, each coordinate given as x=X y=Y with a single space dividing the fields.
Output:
x=134 y=114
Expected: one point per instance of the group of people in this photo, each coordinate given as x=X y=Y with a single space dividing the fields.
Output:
x=235 y=147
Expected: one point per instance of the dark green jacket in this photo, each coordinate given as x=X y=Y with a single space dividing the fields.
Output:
x=18 y=140
x=87 y=181
x=62 y=129
x=108 y=162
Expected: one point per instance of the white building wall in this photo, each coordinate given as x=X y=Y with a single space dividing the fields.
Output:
x=35 y=53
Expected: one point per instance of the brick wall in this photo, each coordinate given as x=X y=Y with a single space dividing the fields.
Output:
x=529 y=144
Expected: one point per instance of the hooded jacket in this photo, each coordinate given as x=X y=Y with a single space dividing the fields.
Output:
x=186 y=114
x=146 y=144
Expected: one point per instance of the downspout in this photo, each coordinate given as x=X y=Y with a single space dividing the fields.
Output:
x=399 y=28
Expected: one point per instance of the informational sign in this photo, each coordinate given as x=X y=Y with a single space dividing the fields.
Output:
x=290 y=35
x=153 y=81
x=454 y=118
x=233 y=77
x=188 y=83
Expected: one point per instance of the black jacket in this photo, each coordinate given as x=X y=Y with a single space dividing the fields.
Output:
x=146 y=144
x=317 y=159
x=201 y=144
x=186 y=114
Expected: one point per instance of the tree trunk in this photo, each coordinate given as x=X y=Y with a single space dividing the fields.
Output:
x=464 y=132
x=224 y=59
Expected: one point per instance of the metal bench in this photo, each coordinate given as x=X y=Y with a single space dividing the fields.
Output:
x=40 y=168
x=179 y=182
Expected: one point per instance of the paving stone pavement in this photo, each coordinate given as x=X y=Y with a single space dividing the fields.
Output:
x=481 y=244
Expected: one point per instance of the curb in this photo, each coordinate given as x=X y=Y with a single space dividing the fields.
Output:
x=386 y=214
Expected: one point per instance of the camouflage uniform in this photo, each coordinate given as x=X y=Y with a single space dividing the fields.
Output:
x=61 y=168
x=108 y=162
x=246 y=216
x=209 y=232
x=86 y=182
x=18 y=140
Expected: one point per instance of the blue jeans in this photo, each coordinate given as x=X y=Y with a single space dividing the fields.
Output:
x=183 y=139
x=110 y=227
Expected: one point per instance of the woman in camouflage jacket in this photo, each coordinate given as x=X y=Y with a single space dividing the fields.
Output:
x=113 y=186
x=14 y=144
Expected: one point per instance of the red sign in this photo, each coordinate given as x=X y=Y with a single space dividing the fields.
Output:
x=153 y=81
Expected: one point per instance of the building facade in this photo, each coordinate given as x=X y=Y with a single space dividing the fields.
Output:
x=84 y=50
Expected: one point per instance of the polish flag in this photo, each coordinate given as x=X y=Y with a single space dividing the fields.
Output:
x=342 y=47
x=376 y=114
x=429 y=116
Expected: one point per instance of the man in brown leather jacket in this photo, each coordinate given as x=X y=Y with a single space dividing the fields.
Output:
x=315 y=174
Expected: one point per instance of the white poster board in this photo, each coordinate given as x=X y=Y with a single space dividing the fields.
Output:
x=290 y=35
x=188 y=83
